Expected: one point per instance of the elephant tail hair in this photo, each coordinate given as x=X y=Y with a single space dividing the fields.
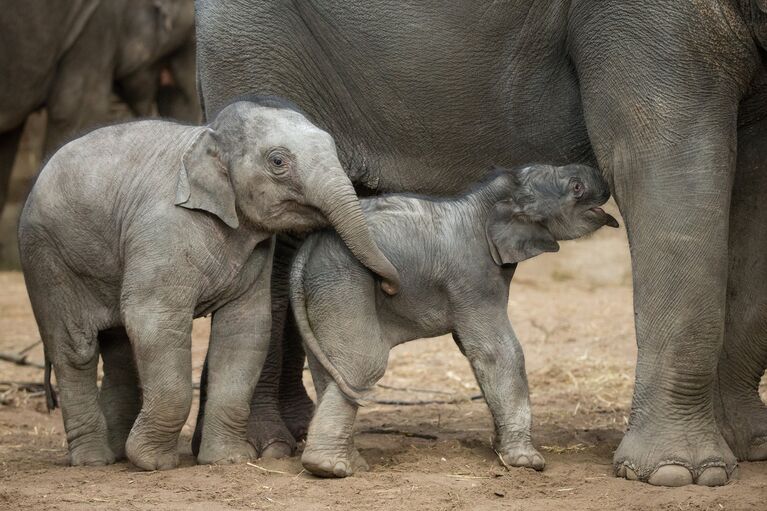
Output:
x=51 y=399
x=298 y=302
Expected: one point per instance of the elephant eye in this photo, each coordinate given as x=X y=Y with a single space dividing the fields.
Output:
x=278 y=162
x=578 y=189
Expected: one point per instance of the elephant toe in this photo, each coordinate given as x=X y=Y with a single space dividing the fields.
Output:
x=669 y=475
x=713 y=476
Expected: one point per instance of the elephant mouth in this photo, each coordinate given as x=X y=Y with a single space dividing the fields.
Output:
x=604 y=217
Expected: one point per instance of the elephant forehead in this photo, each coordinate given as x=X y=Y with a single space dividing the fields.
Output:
x=286 y=125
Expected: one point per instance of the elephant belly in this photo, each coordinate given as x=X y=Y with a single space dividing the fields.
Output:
x=417 y=99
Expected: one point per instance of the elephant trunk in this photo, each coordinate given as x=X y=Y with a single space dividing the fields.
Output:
x=333 y=194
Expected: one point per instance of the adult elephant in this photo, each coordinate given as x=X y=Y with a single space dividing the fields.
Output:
x=70 y=56
x=669 y=99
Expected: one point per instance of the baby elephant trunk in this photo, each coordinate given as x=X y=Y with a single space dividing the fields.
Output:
x=333 y=194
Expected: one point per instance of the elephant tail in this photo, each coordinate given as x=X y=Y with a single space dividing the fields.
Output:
x=51 y=400
x=298 y=302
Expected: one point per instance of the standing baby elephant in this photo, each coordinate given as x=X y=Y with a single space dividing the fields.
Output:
x=455 y=279
x=133 y=230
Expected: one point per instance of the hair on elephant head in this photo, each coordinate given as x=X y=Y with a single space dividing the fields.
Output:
x=545 y=204
x=262 y=162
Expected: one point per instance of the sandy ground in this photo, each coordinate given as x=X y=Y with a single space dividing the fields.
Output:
x=572 y=312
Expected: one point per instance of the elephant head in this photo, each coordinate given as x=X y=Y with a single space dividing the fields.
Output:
x=263 y=163
x=543 y=204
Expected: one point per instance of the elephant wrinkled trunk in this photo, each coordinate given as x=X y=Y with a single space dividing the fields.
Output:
x=333 y=194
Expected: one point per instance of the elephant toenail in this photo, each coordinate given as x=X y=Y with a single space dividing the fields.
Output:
x=713 y=476
x=631 y=475
x=621 y=471
x=671 y=475
x=340 y=469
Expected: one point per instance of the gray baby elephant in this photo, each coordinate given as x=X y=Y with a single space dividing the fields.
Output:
x=456 y=258
x=133 y=230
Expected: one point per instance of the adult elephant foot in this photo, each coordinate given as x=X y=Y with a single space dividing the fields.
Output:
x=271 y=438
x=675 y=457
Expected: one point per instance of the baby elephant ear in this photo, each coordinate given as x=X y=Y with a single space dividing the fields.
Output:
x=203 y=181
x=512 y=238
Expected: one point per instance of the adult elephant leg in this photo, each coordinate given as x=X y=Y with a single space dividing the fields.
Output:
x=9 y=143
x=296 y=407
x=741 y=413
x=266 y=430
x=666 y=136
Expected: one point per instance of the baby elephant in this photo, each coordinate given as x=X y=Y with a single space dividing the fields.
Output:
x=456 y=259
x=133 y=230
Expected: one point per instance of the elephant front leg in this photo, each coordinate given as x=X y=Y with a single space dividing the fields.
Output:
x=238 y=344
x=740 y=411
x=665 y=135
x=675 y=204
x=499 y=366
x=161 y=335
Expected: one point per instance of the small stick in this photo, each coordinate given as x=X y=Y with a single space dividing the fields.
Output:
x=19 y=360
x=413 y=389
x=395 y=402
x=268 y=470
x=385 y=431
x=29 y=348
x=503 y=462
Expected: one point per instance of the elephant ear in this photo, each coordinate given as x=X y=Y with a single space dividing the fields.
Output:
x=512 y=237
x=203 y=180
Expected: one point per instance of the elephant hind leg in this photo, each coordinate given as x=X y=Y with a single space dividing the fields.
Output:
x=74 y=354
x=741 y=413
x=120 y=394
x=65 y=316
x=330 y=450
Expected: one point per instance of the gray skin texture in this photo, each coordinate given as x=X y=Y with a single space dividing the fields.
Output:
x=133 y=230
x=455 y=279
x=669 y=100
x=70 y=56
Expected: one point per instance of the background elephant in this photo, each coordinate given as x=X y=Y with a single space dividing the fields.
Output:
x=670 y=101
x=71 y=56
x=133 y=230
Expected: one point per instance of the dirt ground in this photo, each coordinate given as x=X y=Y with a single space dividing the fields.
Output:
x=572 y=312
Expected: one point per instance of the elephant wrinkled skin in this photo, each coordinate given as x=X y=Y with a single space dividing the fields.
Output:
x=669 y=99
x=455 y=280
x=133 y=230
